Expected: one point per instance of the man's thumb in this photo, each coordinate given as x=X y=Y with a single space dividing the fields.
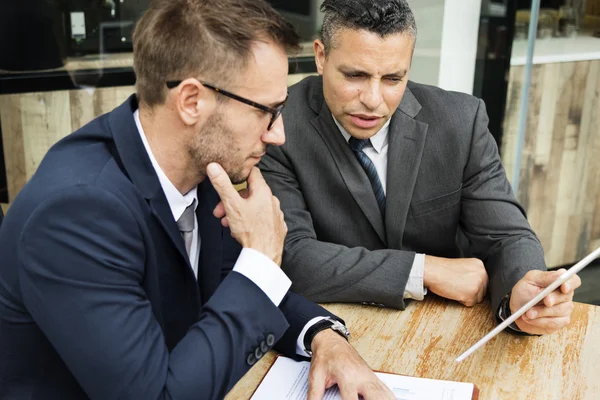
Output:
x=545 y=278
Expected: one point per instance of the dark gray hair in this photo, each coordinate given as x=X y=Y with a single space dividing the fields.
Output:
x=383 y=17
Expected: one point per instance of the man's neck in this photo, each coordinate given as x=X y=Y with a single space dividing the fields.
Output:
x=169 y=150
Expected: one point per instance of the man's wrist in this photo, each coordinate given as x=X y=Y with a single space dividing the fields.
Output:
x=504 y=312
x=327 y=324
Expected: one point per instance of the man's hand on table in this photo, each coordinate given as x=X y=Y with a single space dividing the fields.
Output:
x=462 y=279
x=551 y=314
x=334 y=361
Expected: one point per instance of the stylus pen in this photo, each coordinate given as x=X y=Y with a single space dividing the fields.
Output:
x=540 y=296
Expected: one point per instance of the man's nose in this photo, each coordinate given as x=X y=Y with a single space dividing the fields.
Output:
x=371 y=96
x=276 y=135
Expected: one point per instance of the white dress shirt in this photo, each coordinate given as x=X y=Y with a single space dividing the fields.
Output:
x=377 y=151
x=253 y=264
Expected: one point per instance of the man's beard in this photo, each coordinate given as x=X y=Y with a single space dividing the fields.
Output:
x=215 y=144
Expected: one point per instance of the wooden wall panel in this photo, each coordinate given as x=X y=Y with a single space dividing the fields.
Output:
x=560 y=177
x=33 y=122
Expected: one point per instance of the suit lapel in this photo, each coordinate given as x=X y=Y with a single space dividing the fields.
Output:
x=353 y=174
x=211 y=241
x=137 y=165
x=406 y=143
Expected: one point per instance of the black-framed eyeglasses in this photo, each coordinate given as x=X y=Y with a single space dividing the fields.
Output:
x=275 y=112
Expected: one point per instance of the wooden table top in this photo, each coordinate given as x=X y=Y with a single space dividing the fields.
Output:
x=425 y=339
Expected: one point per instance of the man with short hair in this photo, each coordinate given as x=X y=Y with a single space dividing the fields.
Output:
x=383 y=180
x=120 y=277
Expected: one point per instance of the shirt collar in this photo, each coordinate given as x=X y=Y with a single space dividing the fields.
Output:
x=378 y=141
x=177 y=202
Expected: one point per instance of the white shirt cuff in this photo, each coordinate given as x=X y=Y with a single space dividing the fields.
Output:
x=265 y=274
x=300 y=342
x=414 y=287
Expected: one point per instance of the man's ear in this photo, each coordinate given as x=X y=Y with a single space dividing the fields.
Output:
x=193 y=101
x=319 y=50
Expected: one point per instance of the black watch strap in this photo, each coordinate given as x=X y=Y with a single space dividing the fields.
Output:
x=504 y=312
x=327 y=323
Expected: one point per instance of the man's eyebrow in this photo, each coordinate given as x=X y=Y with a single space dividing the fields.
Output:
x=400 y=73
x=348 y=69
x=277 y=103
x=351 y=70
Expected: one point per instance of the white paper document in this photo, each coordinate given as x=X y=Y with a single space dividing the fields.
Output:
x=288 y=380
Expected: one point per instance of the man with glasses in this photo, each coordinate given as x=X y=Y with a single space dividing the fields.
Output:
x=120 y=275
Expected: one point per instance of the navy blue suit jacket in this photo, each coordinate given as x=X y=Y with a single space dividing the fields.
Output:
x=97 y=296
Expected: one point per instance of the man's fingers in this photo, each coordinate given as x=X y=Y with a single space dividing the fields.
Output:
x=543 y=278
x=316 y=386
x=219 y=211
x=480 y=296
x=376 y=390
x=569 y=286
x=548 y=325
x=221 y=182
x=557 y=297
x=256 y=180
x=348 y=391
x=559 y=310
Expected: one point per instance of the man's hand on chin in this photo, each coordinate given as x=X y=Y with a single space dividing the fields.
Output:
x=551 y=314
x=334 y=361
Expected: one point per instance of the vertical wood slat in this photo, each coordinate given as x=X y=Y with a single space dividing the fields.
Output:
x=12 y=140
x=560 y=176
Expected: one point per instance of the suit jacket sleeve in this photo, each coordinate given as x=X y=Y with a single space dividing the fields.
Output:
x=82 y=260
x=298 y=310
x=492 y=219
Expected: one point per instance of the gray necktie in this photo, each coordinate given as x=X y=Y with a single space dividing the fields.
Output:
x=185 y=223
x=357 y=146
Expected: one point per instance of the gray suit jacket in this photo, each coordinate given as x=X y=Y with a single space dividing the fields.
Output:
x=445 y=182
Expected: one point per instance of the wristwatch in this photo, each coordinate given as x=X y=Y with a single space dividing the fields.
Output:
x=504 y=312
x=327 y=323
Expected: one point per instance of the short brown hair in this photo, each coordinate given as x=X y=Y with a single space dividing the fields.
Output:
x=179 y=39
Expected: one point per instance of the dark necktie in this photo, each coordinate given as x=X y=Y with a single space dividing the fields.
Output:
x=185 y=223
x=357 y=145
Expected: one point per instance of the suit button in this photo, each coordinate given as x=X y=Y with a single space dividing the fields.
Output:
x=270 y=340
x=251 y=360
x=258 y=354
x=263 y=346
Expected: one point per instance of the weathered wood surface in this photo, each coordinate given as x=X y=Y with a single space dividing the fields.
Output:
x=560 y=176
x=425 y=339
